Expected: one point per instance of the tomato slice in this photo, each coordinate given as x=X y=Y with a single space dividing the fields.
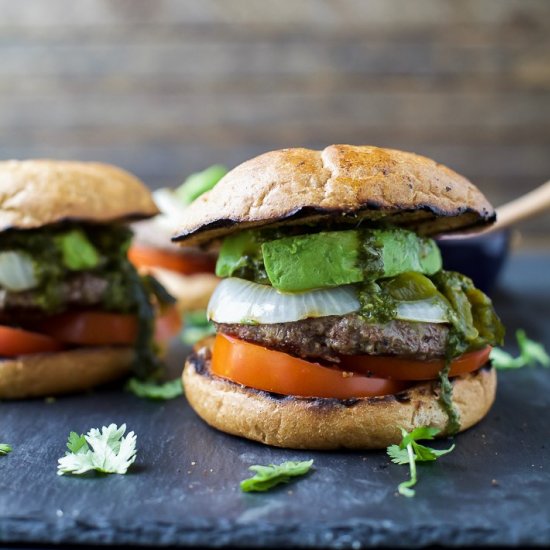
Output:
x=16 y=341
x=399 y=368
x=187 y=264
x=263 y=369
x=92 y=328
x=168 y=325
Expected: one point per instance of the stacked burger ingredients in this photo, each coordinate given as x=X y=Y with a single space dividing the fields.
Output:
x=337 y=324
x=74 y=312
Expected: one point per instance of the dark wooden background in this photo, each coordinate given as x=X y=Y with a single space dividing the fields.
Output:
x=166 y=87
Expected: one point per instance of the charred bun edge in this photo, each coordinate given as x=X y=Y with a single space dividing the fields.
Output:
x=307 y=213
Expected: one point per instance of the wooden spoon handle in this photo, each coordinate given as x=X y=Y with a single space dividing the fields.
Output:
x=524 y=207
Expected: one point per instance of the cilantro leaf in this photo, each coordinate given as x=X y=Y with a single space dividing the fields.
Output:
x=105 y=451
x=153 y=390
x=410 y=452
x=427 y=454
x=423 y=432
x=77 y=443
x=531 y=353
x=504 y=360
x=267 y=477
x=5 y=449
x=397 y=454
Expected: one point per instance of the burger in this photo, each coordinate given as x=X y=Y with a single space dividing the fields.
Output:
x=188 y=274
x=337 y=324
x=74 y=313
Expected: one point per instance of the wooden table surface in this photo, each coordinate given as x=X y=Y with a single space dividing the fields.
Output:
x=168 y=87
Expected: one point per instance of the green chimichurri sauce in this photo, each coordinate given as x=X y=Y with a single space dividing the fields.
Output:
x=474 y=325
x=446 y=399
x=377 y=305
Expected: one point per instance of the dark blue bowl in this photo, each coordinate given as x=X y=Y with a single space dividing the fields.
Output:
x=480 y=258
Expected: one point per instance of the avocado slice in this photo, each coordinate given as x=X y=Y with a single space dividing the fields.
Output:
x=311 y=261
x=403 y=250
x=334 y=258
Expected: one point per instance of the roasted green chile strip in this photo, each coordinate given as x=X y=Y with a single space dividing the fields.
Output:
x=475 y=323
x=471 y=313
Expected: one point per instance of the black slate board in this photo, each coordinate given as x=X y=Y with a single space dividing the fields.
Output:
x=183 y=490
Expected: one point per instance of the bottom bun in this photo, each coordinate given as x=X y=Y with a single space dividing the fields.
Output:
x=46 y=374
x=322 y=423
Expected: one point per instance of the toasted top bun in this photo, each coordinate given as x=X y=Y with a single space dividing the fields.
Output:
x=341 y=183
x=45 y=374
x=34 y=193
x=323 y=423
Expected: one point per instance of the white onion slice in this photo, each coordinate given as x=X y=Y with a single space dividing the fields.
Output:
x=17 y=272
x=239 y=301
x=244 y=302
x=425 y=311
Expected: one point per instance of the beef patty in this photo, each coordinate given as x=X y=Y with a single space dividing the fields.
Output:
x=82 y=290
x=328 y=337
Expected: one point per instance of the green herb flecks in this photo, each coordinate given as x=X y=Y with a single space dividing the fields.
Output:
x=377 y=305
x=59 y=251
x=105 y=451
x=5 y=449
x=531 y=353
x=155 y=391
x=267 y=477
x=410 y=452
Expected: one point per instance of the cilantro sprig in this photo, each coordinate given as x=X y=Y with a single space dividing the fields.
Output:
x=5 y=449
x=267 y=477
x=410 y=452
x=105 y=451
x=531 y=353
x=154 y=390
